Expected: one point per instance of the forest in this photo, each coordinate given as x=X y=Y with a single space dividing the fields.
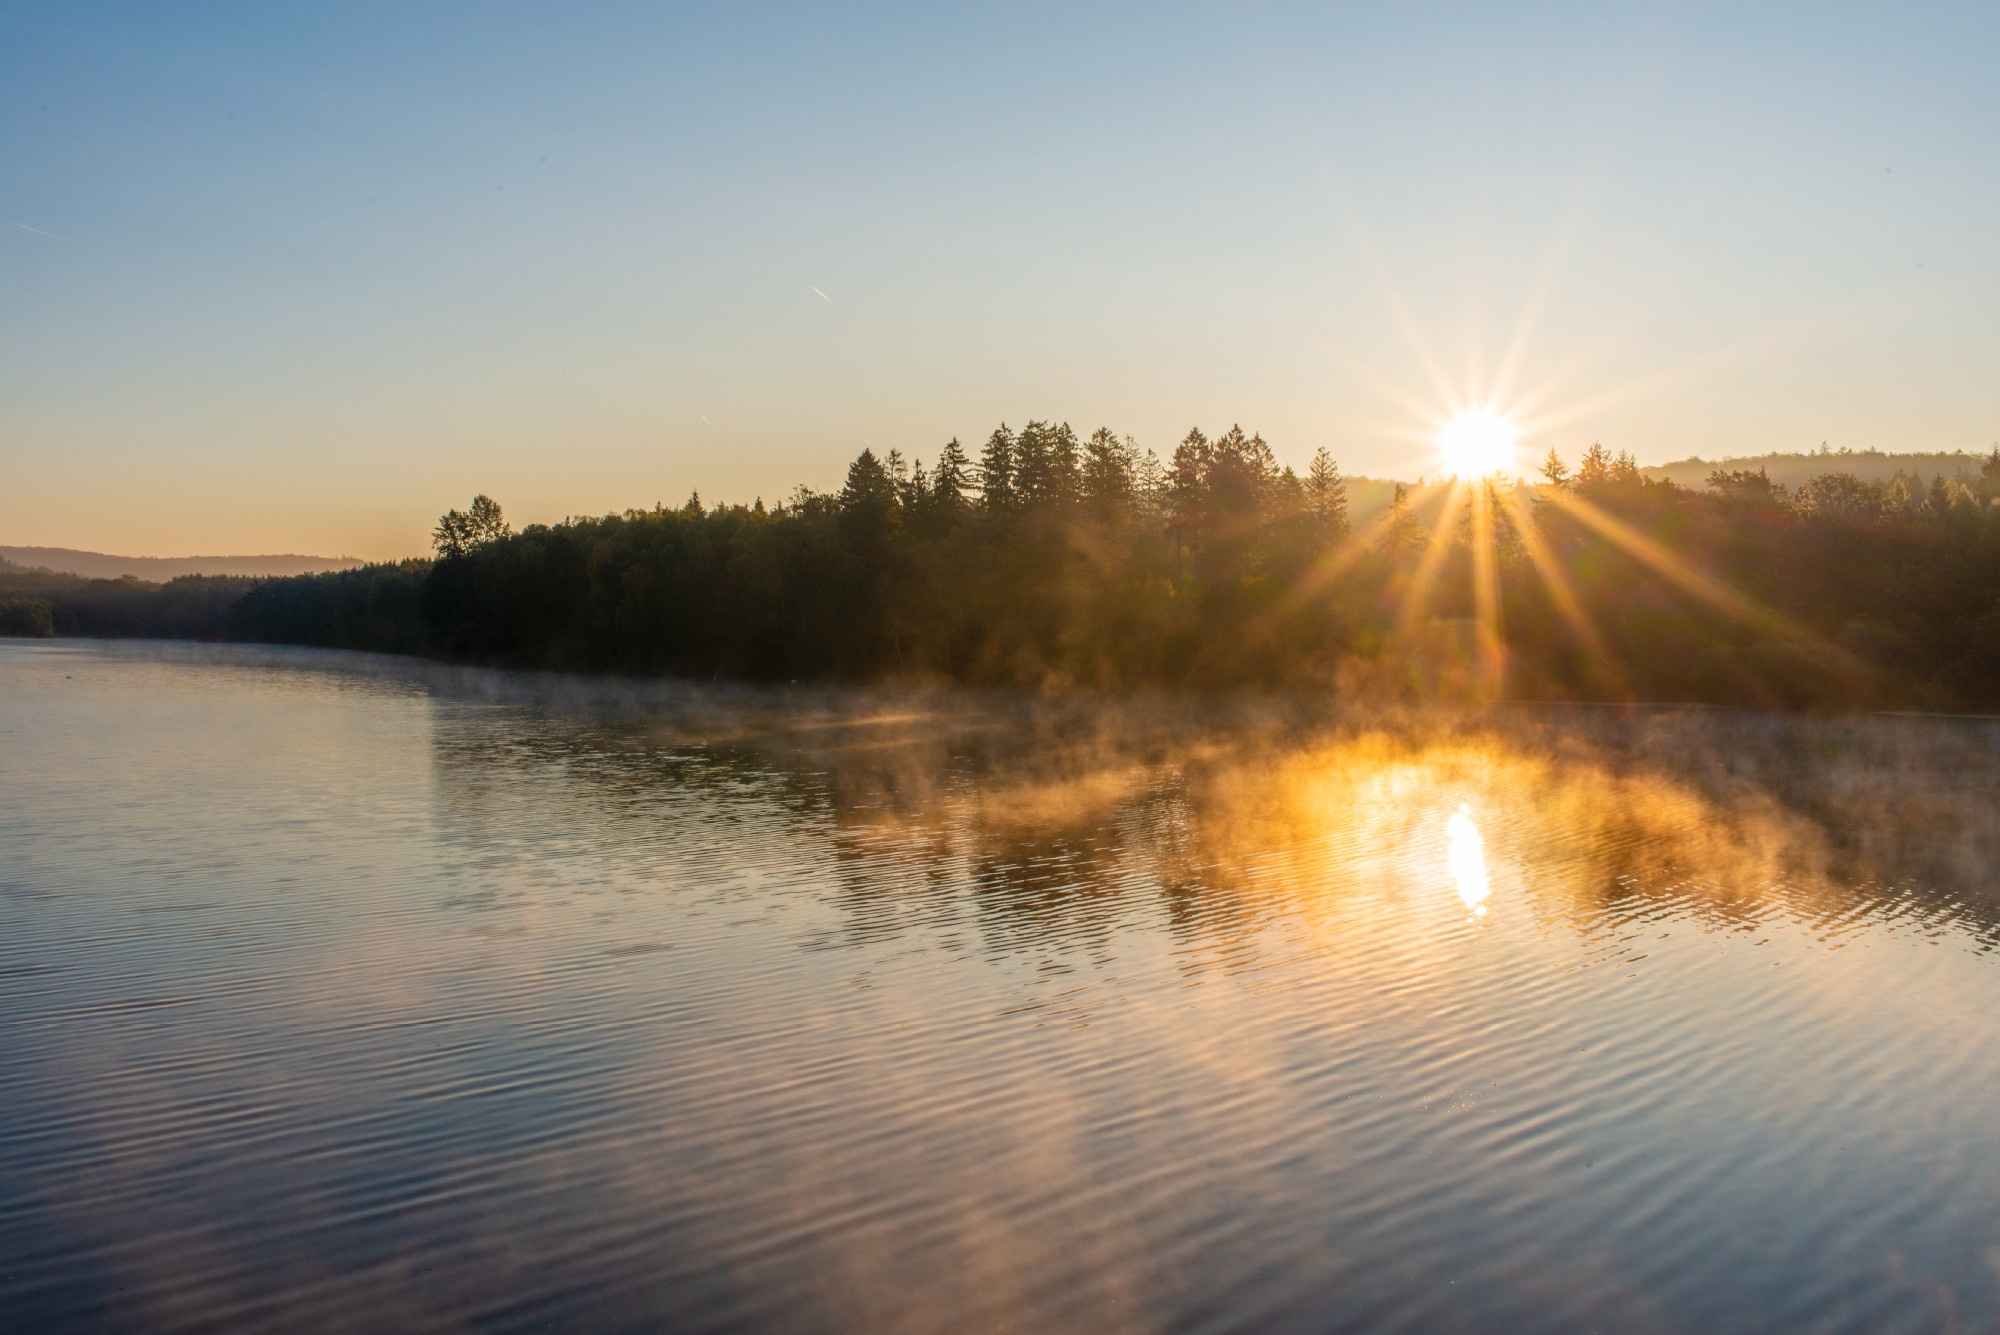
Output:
x=1049 y=560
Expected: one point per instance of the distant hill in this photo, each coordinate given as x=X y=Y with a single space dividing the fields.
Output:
x=1368 y=497
x=1792 y=469
x=160 y=569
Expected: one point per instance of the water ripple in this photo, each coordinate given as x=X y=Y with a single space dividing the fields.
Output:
x=345 y=993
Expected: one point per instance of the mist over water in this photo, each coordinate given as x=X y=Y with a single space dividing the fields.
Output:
x=341 y=992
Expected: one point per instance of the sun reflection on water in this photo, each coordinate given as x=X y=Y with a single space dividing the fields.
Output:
x=1010 y=924
x=1467 y=854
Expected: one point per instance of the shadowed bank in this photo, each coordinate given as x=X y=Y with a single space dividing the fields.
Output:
x=1057 y=563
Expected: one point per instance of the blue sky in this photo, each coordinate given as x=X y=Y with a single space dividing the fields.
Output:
x=299 y=278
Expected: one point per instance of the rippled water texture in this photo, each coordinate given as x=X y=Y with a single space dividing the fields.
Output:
x=341 y=993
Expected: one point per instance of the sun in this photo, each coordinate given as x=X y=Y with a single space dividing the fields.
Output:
x=1479 y=443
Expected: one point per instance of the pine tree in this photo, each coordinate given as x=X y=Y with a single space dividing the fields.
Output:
x=1937 y=500
x=1187 y=483
x=1595 y=467
x=870 y=488
x=1064 y=468
x=1150 y=486
x=1897 y=497
x=952 y=479
x=1248 y=453
x=997 y=470
x=1108 y=470
x=1326 y=496
x=1402 y=531
x=1033 y=475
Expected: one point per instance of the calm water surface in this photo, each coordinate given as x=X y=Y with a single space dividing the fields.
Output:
x=342 y=993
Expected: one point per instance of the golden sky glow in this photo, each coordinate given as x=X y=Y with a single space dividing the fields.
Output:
x=301 y=287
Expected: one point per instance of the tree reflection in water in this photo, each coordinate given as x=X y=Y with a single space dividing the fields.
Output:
x=422 y=996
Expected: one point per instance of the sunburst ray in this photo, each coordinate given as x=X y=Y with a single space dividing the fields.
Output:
x=1416 y=597
x=1491 y=647
x=1598 y=656
x=1707 y=588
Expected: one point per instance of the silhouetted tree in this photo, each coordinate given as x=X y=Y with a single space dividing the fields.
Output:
x=870 y=507
x=460 y=531
x=1326 y=497
x=952 y=480
x=1109 y=471
x=997 y=469
x=1093 y=563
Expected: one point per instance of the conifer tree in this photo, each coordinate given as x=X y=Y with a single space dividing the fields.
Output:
x=952 y=479
x=1108 y=471
x=997 y=470
x=1150 y=486
x=1599 y=466
x=1034 y=471
x=1937 y=500
x=1238 y=485
x=1401 y=531
x=1187 y=480
x=1064 y=467
x=1898 y=495
x=1189 y=573
x=1326 y=496
x=868 y=502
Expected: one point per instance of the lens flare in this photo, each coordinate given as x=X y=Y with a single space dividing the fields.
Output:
x=1477 y=444
x=1467 y=855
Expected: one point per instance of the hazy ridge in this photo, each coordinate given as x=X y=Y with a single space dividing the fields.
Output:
x=1792 y=469
x=160 y=569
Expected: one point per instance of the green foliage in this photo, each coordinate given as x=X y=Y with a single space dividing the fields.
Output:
x=26 y=617
x=193 y=607
x=461 y=531
x=378 y=607
x=1063 y=561
x=1843 y=495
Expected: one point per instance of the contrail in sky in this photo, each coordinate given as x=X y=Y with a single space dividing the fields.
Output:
x=53 y=237
x=821 y=295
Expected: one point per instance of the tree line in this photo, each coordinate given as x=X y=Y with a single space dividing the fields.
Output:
x=1044 y=559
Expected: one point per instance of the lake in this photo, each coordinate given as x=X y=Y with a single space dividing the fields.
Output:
x=347 y=992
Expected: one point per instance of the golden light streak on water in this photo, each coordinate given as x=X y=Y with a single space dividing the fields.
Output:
x=346 y=993
x=1467 y=856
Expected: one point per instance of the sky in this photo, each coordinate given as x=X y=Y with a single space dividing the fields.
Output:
x=298 y=278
